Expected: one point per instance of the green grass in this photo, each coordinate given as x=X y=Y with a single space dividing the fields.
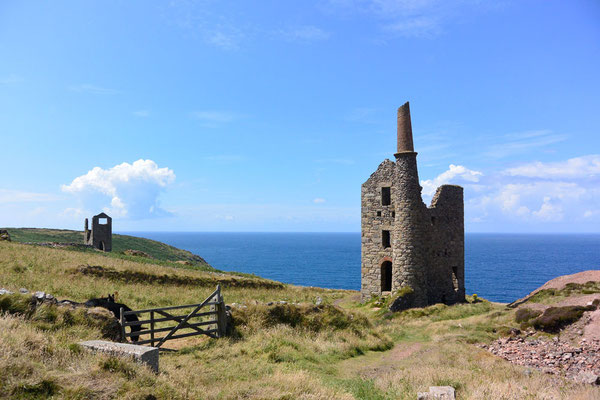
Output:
x=160 y=252
x=296 y=350
x=549 y=296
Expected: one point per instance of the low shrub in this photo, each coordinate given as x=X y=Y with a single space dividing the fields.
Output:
x=555 y=318
x=42 y=390
x=523 y=315
x=305 y=316
x=114 y=364
x=51 y=317
x=17 y=304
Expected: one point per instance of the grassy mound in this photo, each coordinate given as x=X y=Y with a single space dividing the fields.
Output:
x=546 y=296
x=307 y=317
x=173 y=279
x=123 y=246
x=51 y=317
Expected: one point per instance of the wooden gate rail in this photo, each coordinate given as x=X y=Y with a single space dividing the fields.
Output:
x=216 y=325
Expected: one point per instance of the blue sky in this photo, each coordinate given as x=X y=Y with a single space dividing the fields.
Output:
x=268 y=116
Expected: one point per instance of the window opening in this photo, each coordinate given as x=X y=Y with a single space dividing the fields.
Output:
x=386 y=276
x=386 y=196
x=454 y=278
x=385 y=239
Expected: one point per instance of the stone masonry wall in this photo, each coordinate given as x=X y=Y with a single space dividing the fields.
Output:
x=374 y=218
x=426 y=247
x=446 y=274
x=411 y=231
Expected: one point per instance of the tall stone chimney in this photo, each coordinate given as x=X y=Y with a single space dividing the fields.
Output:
x=405 y=139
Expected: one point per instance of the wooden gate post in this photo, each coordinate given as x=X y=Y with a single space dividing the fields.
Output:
x=221 y=314
x=122 y=322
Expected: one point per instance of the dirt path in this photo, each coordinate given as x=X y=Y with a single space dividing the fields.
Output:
x=352 y=298
x=377 y=364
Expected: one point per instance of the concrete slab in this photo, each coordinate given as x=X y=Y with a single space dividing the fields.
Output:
x=141 y=354
x=438 y=393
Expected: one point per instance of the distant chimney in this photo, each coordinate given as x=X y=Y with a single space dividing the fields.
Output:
x=405 y=139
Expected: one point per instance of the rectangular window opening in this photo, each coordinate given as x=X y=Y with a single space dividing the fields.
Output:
x=455 y=278
x=103 y=221
x=385 y=239
x=386 y=196
x=379 y=213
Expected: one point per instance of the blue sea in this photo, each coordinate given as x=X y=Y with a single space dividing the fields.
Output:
x=499 y=267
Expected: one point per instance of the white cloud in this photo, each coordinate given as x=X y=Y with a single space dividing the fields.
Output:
x=213 y=118
x=16 y=196
x=520 y=142
x=549 y=210
x=142 y=113
x=407 y=18
x=307 y=33
x=319 y=200
x=92 y=89
x=125 y=190
x=225 y=158
x=590 y=213
x=532 y=200
x=418 y=27
x=10 y=79
x=223 y=39
x=584 y=167
x=340 y=161
x=455 y=174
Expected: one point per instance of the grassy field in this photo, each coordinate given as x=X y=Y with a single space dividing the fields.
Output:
x=339 y=350
x=158 y=252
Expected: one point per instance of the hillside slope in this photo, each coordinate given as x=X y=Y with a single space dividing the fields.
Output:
x=157 y=250
x=288 y=342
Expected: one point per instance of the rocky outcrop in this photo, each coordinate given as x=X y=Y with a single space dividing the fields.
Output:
x=580 y=363
x=4 y=235
x=137 y=253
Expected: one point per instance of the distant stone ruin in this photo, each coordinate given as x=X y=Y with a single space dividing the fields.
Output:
x=406 y=246
x=100 y=237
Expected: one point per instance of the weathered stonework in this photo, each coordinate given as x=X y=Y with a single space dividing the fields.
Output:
x=101 y=234
x=425 y=250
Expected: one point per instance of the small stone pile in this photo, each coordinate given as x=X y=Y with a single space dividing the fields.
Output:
x=579 y=363
x=4 y=235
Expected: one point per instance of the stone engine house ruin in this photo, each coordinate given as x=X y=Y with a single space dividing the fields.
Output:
x=101 y=234
x=404 y=242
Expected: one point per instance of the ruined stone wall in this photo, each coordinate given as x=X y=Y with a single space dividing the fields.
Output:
x=100 y=236
x=411 y=230
x=446 y=274
x=426 y=247
x=375 y=217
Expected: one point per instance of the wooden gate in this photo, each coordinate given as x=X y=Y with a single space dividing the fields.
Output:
x=212 y=323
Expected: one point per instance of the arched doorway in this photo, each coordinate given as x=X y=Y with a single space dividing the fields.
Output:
x=386 y=276
x=101 y=245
